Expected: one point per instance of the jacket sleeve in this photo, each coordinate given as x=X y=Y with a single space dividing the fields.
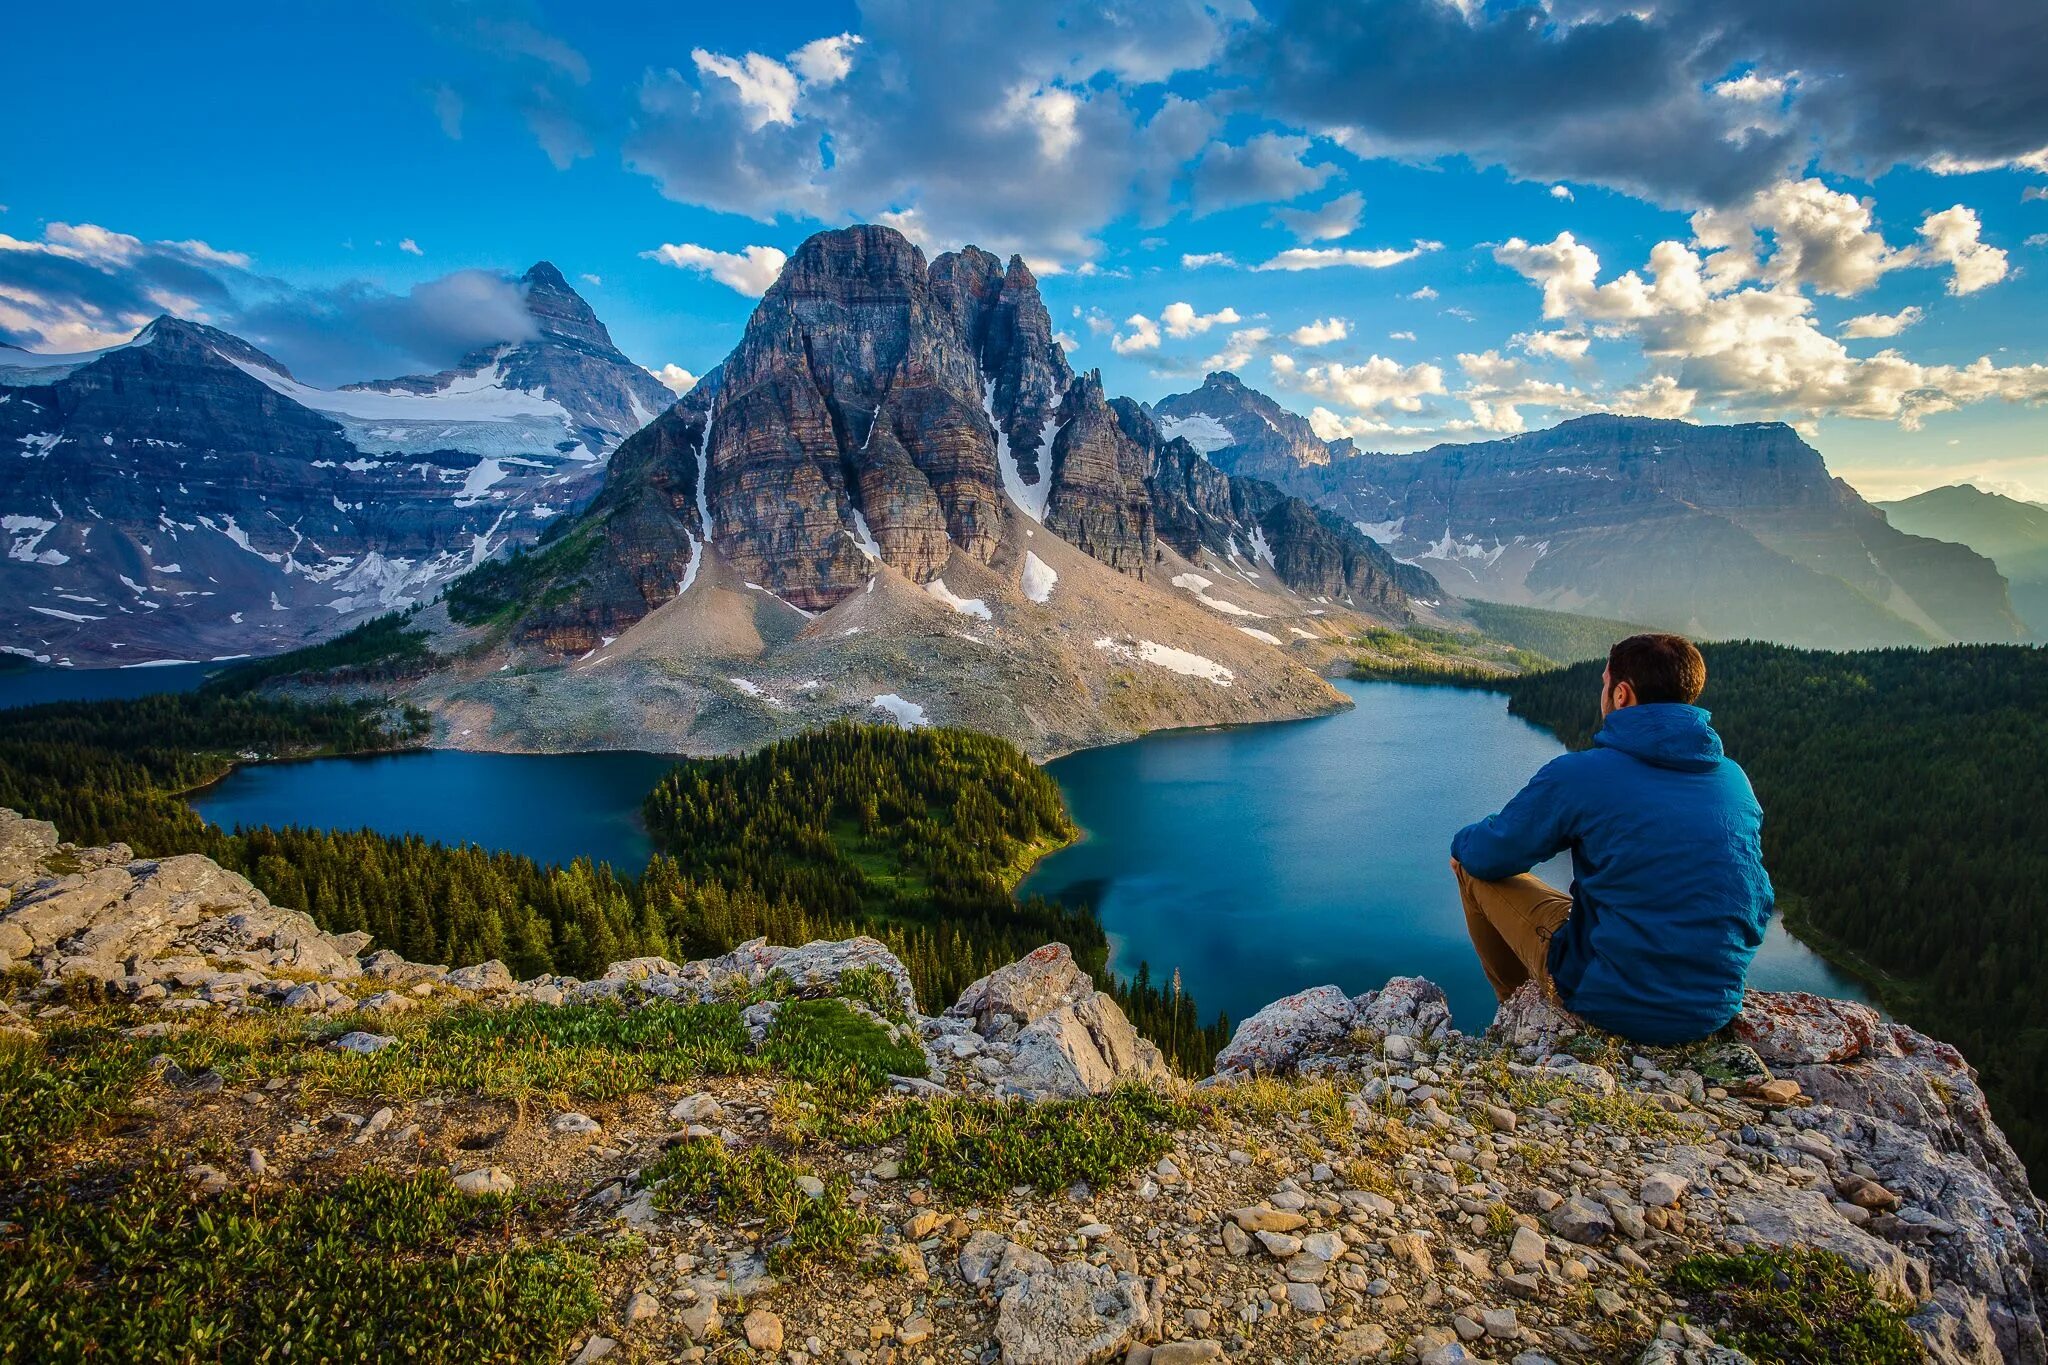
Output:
x=1536 y=825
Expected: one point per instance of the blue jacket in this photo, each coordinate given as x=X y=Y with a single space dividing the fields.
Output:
x=1669 y=892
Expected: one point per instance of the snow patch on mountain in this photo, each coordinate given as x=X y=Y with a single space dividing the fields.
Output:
x=1198 y=429
x=1199 y=586
x=1181 y=661
x=907 y=714
x=966 y=606
x=1039 y=578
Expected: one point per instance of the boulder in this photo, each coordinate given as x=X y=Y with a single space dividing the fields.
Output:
x=1280 y=1036
x=1071 y=1314
x=1794 y=1028
x=1406 y=1007
x=1065 y=1037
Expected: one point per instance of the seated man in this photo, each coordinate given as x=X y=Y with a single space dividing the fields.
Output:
x=1669 y=896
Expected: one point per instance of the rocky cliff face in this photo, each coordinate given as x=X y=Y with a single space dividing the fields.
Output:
x=882 y=412
x=1358 y=1181
x=1722 y=531
x=183 y=496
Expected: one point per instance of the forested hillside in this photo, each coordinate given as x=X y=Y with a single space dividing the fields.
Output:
x=914 y=837
x=1905 y=798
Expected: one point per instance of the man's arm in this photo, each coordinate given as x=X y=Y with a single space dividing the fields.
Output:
x=1534 y=826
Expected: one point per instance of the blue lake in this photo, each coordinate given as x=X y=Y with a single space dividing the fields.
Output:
x=1262 y=859
x=1258 y=860
x=34 y=686
x=554 y=808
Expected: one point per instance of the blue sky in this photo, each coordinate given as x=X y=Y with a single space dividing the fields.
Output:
x=1468 y=187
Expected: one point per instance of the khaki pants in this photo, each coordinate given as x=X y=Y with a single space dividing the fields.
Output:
x=1511 y=923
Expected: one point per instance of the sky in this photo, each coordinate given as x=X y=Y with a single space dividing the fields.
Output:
x=1410 y=220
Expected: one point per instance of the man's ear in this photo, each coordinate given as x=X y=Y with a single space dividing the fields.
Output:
x=1624 y=695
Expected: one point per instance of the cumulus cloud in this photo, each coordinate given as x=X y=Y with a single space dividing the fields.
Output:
x=410 y=247
x=1327 y=223
x=1321 y=332
x=1726 y=322
x=1566 y=346
x=1424 y=294
x=1881 y=324
x=1324 y=258
x=1143 y=335
x=1563 y=192
x=1686 y=102
x=1181 y=319
x=1379 y=383
x=1237 y=351
x=82 y=286
x=1270 y=168
x=1202 y=260
x=749 y=270
x=675 y=378
x=1021 y=129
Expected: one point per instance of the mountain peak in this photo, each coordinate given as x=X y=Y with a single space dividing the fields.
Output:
x=544 y=274
x=561 y=312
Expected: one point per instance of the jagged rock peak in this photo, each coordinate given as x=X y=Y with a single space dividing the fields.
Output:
x=560 y=311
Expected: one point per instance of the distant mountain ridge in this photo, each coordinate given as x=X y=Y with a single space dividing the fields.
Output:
x=2011 y=533
x=183 y=495
x=1722 y=531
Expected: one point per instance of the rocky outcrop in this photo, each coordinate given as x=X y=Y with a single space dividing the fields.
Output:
x=1042 y=1030
x=185 y=496
x=1478 y=1199
x=1241 y=429
x=1100 y=499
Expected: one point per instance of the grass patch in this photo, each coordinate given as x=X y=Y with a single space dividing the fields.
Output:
x=1629 y=1112
x=1795 y=1307
x=758 y=1189
x=978 y=1149
x=376 y=1267
x=51 y=1091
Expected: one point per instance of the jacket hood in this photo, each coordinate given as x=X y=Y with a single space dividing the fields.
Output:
x=1664 y=735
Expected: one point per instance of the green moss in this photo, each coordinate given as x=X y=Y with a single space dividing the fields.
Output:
x=376 y=1267
x=1795 y=1307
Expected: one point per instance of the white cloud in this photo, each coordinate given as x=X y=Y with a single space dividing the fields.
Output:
x=1881 y=324
x=410 y=247
x=1323 y=258
x=1489 y=367
x=1377 y=383
x=1338 y=218
x=678 y=380
x=1563 y=192
x=1733 y=327
x=1565 y=346
x=1181 y=319
x=1198 y=260
x=749 y=271
x=1424 y=294
x=765 y=88
x=1143 y=336
x=1400 y=336
x=1238 y=351
x=825 y=61
x=1067 y=341
x=594 y=281
x=1267 y=169
x=1321 y=332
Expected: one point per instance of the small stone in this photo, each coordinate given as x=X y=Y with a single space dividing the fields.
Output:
x=259 y=1165
x=1236 y=1240
x=886 y=1169
x=641 y=1307
x=697 y=1108
x=1583 y=1221
x=1500 y=1323
x=764 y=1330
x=1187 y=1353
x=1262 y=1218
x=923 y=1224
x=1783 y=1090
x=1528 y=1249
x=575 y=1123
x=1280 y=1245
x=485 y=1180
x=1305 y=1298
x=1663 y=1189
x=914 y=1331
x=597 y=1348
x=701 y=1319
x=811 y=1186
x=363 y=1043
x=1501 y=1118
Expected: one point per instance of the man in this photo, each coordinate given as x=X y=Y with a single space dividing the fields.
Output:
x=1669 y=896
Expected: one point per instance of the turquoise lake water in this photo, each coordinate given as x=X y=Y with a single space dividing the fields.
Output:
x=1259 y=860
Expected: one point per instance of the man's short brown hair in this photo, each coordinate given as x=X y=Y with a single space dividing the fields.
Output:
x=1659 y=667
